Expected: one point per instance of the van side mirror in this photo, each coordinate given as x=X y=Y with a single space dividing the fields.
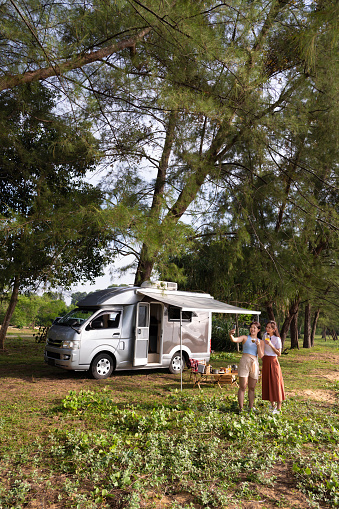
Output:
x=74 y=322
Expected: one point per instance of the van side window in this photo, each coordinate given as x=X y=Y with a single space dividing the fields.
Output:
x=107 y=321
x=113 y=320
x=143 y=316
x=174 y=315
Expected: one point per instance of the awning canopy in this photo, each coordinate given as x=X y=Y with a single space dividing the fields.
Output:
x=195 y=302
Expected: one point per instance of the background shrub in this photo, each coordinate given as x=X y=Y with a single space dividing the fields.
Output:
x=220 y=332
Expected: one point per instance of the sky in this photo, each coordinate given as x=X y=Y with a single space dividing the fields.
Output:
x=101 y=282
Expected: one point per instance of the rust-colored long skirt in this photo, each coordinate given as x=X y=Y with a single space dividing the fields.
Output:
x=272 y=380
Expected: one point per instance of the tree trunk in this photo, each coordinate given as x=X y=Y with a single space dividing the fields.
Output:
x=147 y=260
x=199 y=170
x=284 y=329
x=323 y=335
x=286 y=325
x=291 y=169
x=307 y=327
x=314 y=325
x=145 y=267
x=9 y=313
x=294 y=331
x=270 y=312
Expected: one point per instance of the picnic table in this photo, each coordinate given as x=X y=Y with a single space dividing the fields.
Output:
x=218 y=379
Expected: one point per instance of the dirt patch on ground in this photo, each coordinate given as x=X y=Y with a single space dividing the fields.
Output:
x=280 y=491
x=329 y=356
x=329 y=397
x=326 y=396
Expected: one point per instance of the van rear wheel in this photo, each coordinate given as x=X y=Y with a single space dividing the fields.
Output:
x=176 y=364
x=102 y=366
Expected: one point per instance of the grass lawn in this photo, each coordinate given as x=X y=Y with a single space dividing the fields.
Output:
x=135 y=440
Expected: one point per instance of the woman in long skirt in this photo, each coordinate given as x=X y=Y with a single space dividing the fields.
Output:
x=272 y=379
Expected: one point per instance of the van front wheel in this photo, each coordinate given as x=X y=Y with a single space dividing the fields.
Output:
x=176 y=364
x=102 y=366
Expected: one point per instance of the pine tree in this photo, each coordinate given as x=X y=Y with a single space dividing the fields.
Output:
x=50 y=220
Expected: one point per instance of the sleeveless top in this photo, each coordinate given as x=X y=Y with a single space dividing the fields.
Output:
x=249 y=347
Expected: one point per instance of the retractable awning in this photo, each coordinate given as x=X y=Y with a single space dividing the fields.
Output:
x=195 y=302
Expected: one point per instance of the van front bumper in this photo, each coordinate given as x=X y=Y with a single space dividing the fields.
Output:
x=66 y=359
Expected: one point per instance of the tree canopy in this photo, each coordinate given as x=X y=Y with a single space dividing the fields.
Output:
x=217 y=121
x=50 y=218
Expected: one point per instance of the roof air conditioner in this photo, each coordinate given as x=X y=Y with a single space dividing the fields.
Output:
x=160 y=285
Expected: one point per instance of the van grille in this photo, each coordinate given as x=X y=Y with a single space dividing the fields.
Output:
x=54 y=342
x=53 y=355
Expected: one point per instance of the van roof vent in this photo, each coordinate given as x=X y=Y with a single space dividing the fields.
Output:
x=160 y=285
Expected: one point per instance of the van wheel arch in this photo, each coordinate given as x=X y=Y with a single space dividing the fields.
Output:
x=174 y=366
x=102 y=366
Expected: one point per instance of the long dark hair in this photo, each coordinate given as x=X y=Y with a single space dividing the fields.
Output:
x=257 y=324
x=274 y=327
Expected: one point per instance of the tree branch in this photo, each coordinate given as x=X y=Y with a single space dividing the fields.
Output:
x=11 y=81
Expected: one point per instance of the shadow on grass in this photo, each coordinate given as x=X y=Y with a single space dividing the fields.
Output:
x=34 y=368
x=24 y=359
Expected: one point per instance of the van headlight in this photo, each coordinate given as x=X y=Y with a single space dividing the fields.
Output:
x=69 y=344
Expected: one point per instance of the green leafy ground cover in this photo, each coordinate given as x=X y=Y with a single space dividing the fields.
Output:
x=135 y=440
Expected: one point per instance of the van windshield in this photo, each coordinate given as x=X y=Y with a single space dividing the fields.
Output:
x=76 y=317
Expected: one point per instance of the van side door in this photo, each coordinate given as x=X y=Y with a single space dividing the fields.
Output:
x=141 y=334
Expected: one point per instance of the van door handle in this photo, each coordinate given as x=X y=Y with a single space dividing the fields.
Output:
x=116 y=334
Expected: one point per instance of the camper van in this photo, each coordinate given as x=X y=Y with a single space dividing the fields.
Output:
x=128 y=328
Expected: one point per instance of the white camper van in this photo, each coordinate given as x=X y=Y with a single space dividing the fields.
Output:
x=126 y=328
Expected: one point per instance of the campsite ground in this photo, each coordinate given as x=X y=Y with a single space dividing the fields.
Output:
x=38 y=414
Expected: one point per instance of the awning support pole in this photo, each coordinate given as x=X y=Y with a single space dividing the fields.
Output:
x=237 y=329
x=181 y=370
